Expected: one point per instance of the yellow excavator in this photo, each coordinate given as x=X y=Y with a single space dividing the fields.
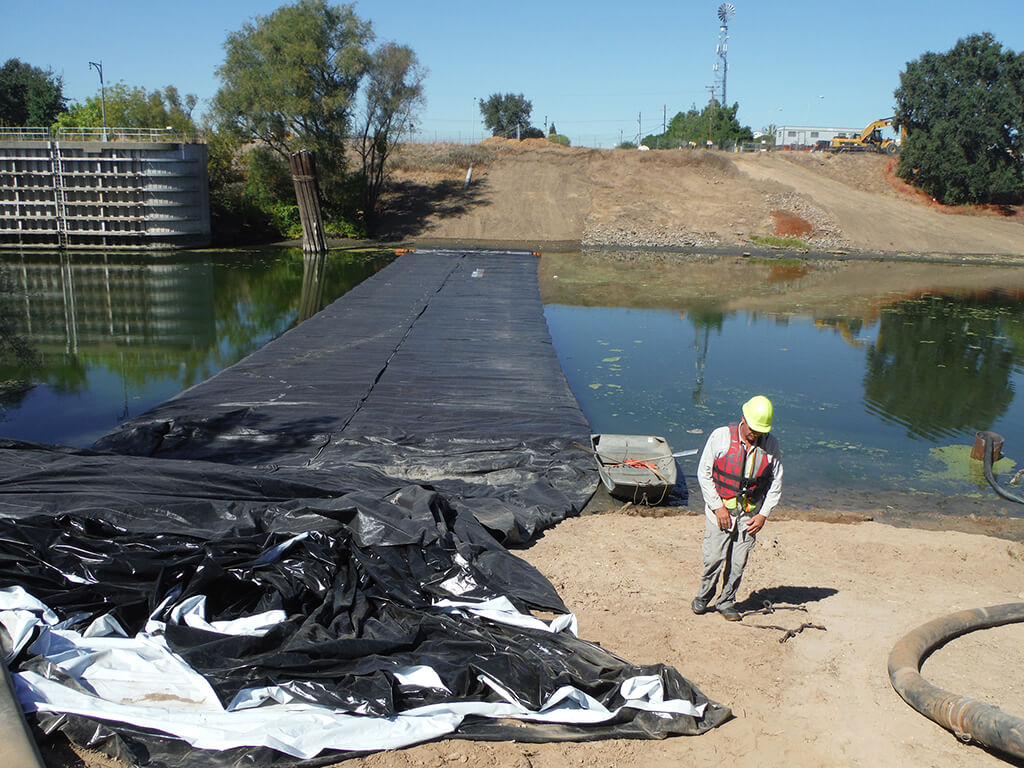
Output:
x=870 y=139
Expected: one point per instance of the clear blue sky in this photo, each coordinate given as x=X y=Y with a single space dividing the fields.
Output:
x=593 y=68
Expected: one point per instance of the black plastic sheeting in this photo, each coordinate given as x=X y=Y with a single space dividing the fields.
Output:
x=439 y=369
x=412 y=430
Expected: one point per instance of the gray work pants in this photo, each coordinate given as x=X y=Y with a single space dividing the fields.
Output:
x=725 y=553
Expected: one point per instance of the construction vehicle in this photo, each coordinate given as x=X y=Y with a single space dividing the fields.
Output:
x=869 y=140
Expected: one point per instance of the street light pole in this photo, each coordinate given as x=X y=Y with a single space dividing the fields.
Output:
x=103 y=97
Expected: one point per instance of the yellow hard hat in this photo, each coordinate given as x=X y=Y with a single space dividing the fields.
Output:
x=758 y=413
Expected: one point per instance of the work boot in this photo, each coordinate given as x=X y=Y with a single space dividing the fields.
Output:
x=699 y=606
x=730 y=614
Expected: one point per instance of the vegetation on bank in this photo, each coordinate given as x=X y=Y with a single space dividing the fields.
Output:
x=304 y=78
x=963 y=113
x=301 y=78
x=780 y=242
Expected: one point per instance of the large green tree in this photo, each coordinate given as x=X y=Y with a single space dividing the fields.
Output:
x=393 y=91
x=29 y=96
x=507 y=114
x=715 y=121
x=132 y=106
x=963 y=112
x=290 y=79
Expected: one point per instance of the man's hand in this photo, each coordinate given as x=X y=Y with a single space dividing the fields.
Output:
x=724 y=518
x=756 y=523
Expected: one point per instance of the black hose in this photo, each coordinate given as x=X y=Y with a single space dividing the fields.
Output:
x=969 y=719
x=989 y=439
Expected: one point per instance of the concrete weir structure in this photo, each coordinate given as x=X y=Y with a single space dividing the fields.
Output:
x=139 y=190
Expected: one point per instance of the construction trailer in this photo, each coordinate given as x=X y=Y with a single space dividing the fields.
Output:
x=808 y=136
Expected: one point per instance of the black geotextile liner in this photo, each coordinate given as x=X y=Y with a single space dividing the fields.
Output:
x=421 y=416
x=438 y=349
x=439 y=369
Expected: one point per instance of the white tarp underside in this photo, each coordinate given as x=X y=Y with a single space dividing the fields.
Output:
x=140 y=681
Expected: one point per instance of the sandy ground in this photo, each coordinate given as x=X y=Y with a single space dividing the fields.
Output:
x=537 y=193
x=822 y=698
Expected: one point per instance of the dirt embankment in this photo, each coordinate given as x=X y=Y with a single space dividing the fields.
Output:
x=537 y=192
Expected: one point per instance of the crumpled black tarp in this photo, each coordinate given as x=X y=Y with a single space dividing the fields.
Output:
x=414 y=427
x=358 y=591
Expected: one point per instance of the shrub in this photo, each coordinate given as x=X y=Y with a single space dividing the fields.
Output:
x=340 y=227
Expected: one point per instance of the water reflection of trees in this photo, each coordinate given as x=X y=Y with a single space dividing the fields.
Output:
x=942 y=365
x=146 y=320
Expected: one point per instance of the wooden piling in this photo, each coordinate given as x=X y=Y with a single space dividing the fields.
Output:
x=307 y=193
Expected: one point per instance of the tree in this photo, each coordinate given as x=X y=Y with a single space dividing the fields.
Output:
x=692 y=127
x=290 y=80
x=506 y=114
x=132 y=106
x=394 y=90
x=29 y=95
x=963 y=113
x=551 y=130
x=768 y=134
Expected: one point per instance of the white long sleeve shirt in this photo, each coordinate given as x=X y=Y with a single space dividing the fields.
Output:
x=718 y=445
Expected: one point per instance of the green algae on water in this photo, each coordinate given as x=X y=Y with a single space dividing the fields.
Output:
x=958 y=465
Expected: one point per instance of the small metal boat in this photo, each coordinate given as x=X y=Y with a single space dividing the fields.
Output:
x=637 y=468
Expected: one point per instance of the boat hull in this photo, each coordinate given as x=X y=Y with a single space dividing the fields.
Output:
x=637 y=468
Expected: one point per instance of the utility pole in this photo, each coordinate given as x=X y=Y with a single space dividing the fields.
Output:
x=639 y=128
x=711 y=112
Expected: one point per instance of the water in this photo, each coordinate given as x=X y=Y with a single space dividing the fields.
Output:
x=115 y=335
x=880 y=374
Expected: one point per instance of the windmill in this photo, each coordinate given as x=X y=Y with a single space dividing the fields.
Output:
x=725 y=13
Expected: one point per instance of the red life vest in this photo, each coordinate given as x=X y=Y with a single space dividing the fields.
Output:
x=728 y=475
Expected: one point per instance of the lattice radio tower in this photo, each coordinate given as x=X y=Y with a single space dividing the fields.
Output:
x=725 y=12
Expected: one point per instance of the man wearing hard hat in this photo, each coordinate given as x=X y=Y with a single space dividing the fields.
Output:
x=740 y=477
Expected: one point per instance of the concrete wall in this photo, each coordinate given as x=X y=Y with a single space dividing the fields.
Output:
x=103 y=194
